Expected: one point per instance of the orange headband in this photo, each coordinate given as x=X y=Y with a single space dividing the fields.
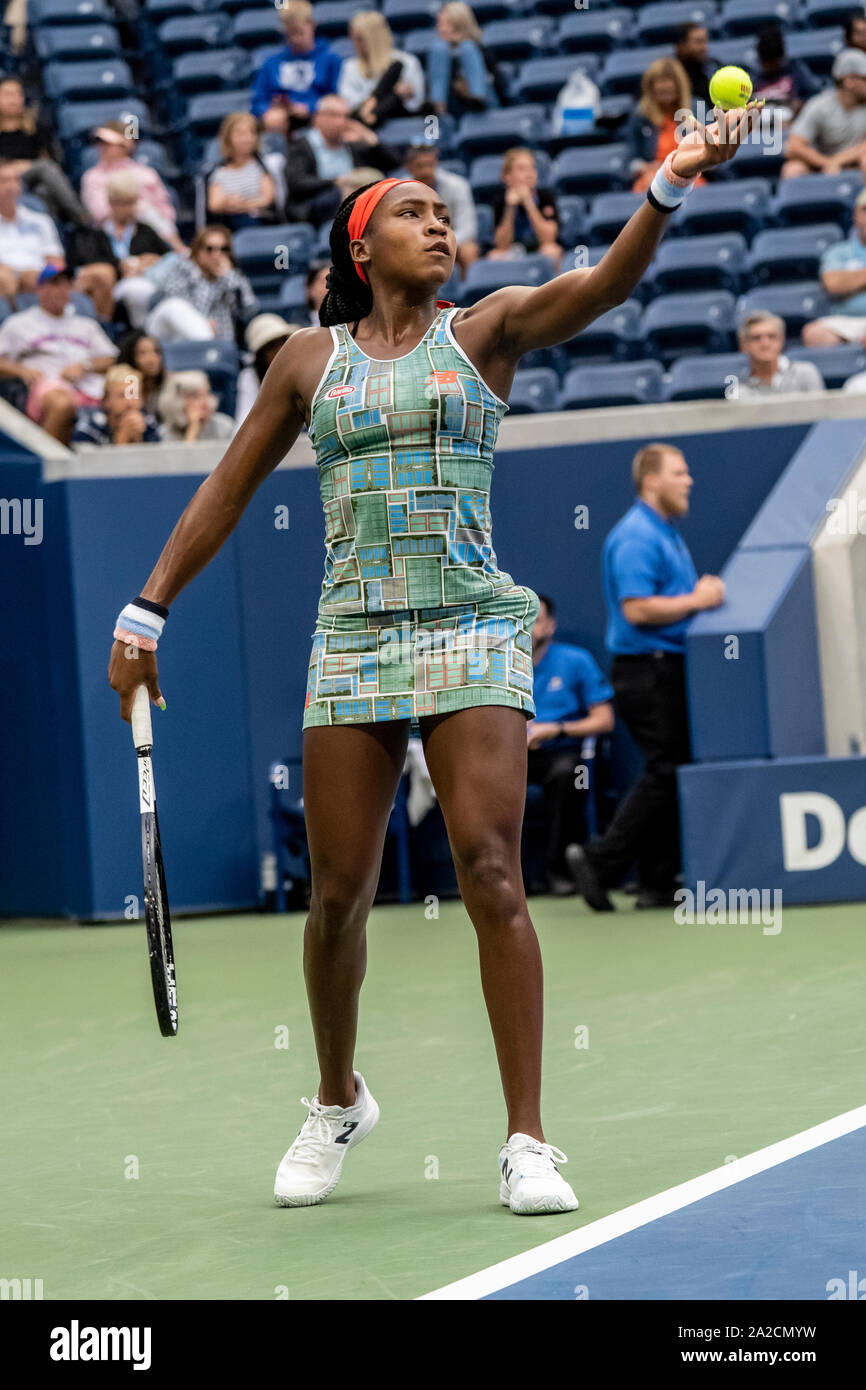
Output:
x=362 y=211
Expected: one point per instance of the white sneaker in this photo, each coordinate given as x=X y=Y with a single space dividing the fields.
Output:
x=531 y=1183
x=311 y=1168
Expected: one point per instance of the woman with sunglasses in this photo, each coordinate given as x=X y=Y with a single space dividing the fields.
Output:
x=205 y=296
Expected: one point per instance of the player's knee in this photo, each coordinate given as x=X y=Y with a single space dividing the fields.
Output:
x=488 y=870
x=339 y=903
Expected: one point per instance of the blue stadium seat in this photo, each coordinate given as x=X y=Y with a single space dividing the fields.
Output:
x=343 y=46
x=624 y=68
x=484 y=215
x=623 y=383
x=289 y=299
x=486 y=276
x=48 y=12
x=818 y=48
x=816 y=198
x=731 y=206
x=572 y=220
x=487 y=10
x=146 y=152
x=257 y=248
x=216 y=356
x=322 y=248
x=157 y=11
x=499 y=129
x=835 y=364
x=91 y=81
x=698 y=322
x=533 y=389
x=485 y=175
x=258 y=56
x=717 y=262
x=658 y=23
x=413 y=130
x=703 y=378
x=206 y=113
x=410 y=14
x=588 y=32
x=190 y=34
x=252 y=28
x=789 y=253
x=419 y=42
x=74 y=123
x=195 y=73
x=332 y=17
x=740 y=53
x=77 y=42
x=542 y=79
x=761 y=156
x=818 y=13
x=515 y=40
x=750 y=16
x=796 y=303
x=609 y=212
x=593 y=169
x=615 y=335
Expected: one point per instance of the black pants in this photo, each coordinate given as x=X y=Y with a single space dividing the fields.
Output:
x=553 y=769
x=650 y=698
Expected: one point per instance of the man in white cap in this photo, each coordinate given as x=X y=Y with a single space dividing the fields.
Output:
x=843 y=275
x=829 y=134
x=265 y=335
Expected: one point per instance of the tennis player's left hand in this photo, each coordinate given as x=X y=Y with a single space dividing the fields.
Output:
x=706 y=146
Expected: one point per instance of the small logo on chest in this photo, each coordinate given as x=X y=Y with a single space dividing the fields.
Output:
x=339 y=391
x=445 y=378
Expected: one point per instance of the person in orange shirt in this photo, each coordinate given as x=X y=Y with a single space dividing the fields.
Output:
x=654 y=128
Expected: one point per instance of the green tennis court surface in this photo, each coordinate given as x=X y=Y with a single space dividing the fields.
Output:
x=704 y=1042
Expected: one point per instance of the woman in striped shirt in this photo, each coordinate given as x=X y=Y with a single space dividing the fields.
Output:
x=240 y=190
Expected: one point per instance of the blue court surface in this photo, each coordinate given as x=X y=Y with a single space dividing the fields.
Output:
x=787 y=1222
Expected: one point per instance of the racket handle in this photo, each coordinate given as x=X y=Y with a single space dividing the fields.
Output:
x=142 y=733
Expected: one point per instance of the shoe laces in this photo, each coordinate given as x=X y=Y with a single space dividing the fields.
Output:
x=535 y=1161
x=315 y=1131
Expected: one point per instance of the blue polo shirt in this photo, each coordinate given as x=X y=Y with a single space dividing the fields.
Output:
x=847 y=255
x=566 y=681
x=645 y=555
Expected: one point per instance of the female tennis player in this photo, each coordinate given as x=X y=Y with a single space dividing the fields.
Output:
x=403 y=396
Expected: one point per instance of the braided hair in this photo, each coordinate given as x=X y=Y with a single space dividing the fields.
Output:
x=348 y=298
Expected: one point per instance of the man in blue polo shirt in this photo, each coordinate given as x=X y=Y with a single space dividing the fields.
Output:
x=572 y=700
x=651 y=589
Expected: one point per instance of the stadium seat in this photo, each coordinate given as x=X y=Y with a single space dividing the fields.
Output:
x=701 y=263
x=77 y=42
x=624 y=383
x=791 y=253
x=572 y=220
x=816 y=198
x=157 y=11
x=609 y=212
x=258 y=56
x=590 y=32
x=414 y=130
x=534 y=389
x=658 y=23
x=483 y=277
x=232 y=6
x=740 y=53
x=289 y=300
x=615 y=335
x=205 y=114
x=624 y=68
x=702 y=378
x=485 y=175
x=332 y=17
x=593 y=169
x=816 y=47
x=147 y=152
x=252 y=28
x=90 y=81
x=732 y=206
x=419 y=42
x=515 y=40
x=484 y=216
x=75 y=122
x=491 y=131
x=542 y=79
x=750 y=16
x=196 y=73
x=699 y=322
x=820 y=13
x=257 y=249
x=796 y=303
x=216 y=356
x=190 y=34
x=49 y=12
x=322 y=248
x=835 y=364
x=410 y=14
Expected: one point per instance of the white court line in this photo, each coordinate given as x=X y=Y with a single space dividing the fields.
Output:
x=553 y=1252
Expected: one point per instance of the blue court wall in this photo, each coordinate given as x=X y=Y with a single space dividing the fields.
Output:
x=233 y=660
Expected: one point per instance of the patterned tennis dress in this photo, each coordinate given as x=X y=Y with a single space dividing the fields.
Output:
x=415 y=618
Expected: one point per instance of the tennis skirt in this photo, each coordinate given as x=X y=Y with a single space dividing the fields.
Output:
x=369 y=668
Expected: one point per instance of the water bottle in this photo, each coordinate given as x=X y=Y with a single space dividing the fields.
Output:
x=576 y=106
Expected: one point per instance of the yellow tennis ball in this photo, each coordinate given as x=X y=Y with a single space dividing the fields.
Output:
x=730 y=87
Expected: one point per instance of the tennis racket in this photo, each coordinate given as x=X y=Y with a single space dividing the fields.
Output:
x=156 y=914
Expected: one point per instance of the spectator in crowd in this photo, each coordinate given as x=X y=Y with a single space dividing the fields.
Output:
x=855 y=31
x=525 y=217
x=121 y=417
x=319 y=162
x=691 y=50
x=146 y=356
x=783 y=83
x=117 y=148
x=188 y=410
x=240 y=191
x=572 y=701
x=317 y=288
x=651 y=589
x=422 y=163
x=28 y=240
x=60 y=355
x=265 y=335
x=829 y=134
x=113 y=258
x=290 y=85
x=771 y=373
x=381 y=82
x=460 y=75
x=204 y=297
x=29 y=145
x=843 y=276
x=654 y=127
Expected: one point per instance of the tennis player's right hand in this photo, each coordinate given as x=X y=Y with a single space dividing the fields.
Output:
x=128 y=668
